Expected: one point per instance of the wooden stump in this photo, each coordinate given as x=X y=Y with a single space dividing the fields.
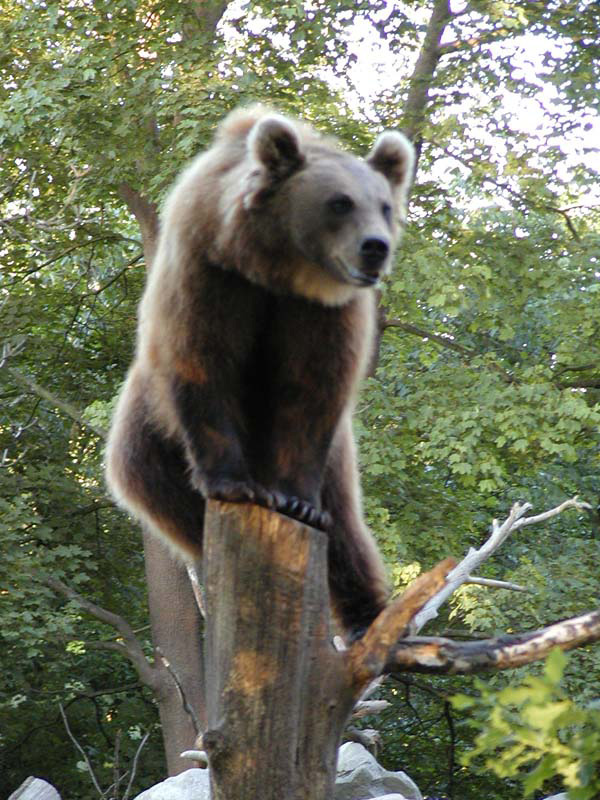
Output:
x=278 y=693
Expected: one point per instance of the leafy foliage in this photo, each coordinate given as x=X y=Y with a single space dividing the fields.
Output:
x=535 y=731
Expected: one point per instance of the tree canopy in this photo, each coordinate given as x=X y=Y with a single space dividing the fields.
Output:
x=487 y=388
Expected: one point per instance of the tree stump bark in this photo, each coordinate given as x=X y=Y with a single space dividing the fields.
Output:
x=278 y=694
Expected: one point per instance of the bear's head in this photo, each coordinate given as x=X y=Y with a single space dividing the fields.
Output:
x=337 y=217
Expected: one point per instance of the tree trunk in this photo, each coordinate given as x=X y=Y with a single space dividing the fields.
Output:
x=176 y=630
x=278 y=694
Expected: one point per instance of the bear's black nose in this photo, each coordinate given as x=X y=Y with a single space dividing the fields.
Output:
x=373 y=252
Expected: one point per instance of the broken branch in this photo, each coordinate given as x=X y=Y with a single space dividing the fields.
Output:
x=445 y=656
x=368 y=656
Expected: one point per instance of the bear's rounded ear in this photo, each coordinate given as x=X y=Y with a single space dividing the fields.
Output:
x=394 y=156
x=274 y=143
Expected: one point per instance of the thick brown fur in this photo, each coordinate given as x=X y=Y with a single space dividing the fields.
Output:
x=255 y=330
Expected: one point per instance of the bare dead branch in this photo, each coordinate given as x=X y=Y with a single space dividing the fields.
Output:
x=112 y=790
x=574 y=502
x=117 y=778
x=368 y=737
x=184 y=702
x=134 y=765
x=386 y=647
x=196 y=755
x=365 y=708
x=82 y=751
x=493 y=584
x=475 y=558
x=445 y=656
x=370 y=689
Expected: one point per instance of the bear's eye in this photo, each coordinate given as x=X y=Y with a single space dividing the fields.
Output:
x=386 y=210
x=341 y=204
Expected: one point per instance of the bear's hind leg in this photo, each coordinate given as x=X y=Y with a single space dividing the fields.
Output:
x=356 y=573
x=148 y=476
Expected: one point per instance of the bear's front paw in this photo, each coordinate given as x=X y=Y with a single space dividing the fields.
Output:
x=303 y=511
x=229 y=490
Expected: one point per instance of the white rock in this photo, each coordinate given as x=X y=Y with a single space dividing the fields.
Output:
x=35 y=789
x=561 y=796
x=360 y=777
x=390 y=797
x=193 y=784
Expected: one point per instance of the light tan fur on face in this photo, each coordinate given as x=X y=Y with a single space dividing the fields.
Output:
x=311 y=282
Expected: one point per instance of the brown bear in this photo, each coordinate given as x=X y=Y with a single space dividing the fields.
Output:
x=255 y=329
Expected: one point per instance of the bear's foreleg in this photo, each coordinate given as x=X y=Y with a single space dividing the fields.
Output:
x=213 y=436
x=314 y=361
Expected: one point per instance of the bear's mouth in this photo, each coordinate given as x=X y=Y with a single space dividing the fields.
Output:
x=352 y=276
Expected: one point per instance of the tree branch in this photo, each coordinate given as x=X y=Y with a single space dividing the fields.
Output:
x=497 y=35
x=368 y=656
x=444 y=656
x=386 y=648
x=209 y=12
x=130 y=646
x=146 y=214
x=196 y=589
x=180 y=691
x=82 y=751
x=475 y=558
x=134 y=765
x=493 y=584
x=64 y=406
x=420 y=80
x=365 y=708
x=445 y=341
x=518 y=196
x=580 y=384
x=450 y=344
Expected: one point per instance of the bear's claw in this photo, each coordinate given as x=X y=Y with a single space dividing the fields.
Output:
x=304 y=512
